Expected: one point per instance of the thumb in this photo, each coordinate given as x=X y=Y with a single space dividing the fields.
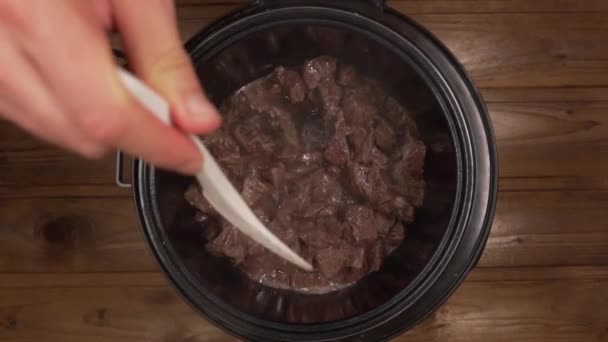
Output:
x=156 y=53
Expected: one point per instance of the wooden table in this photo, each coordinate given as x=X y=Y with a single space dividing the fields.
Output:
x=74 y=267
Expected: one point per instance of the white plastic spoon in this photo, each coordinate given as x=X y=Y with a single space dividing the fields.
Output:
x=217 y=189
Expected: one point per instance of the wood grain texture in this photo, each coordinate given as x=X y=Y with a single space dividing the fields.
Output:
x=538 y=228
x=75 y=235
x=74 y=265
x=529 y=125
x=501 y=306
x=501 y=48
x=446 y=6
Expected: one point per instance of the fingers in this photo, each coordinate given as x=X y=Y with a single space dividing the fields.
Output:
x=79 y=70
x=40 y=114
x=156 y=53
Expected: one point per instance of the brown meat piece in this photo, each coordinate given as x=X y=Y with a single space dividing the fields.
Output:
x=253 y=135
x=395 y=238
x=375 y=256
x=366 y=182
x=331 y=95
x=317 y=69
x=384 y=136
x=337 y=152
x=362 y=223
x=347 y=76
x=230 y=243
x=292 y=83
x=333 y=260
x=413 y=160
x=360 y=107
x=394 y=112
x=362 y=145
x=378 y=158
x=223 y=147
x=263 y=95
x=384 y=223
x=253 y=189
x=400 y=207
x=194 y=197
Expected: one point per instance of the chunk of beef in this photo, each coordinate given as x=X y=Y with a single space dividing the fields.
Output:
x=358 y=259
x=384 y=222
x=333 y=260
x=253 y=135
x=283 y=123
x=366 y=182
x=362 y=223
x=384 y=136
x=194 y=197
x=323 y=186
x=337 y=152
x=303 y=164
x=266 y=208
x=331 y=95
x=375 y=256
x=253 y=189
x=223 y=147
x=292 y=83
x=347 y=75
x=234 y=109
x=317 y=69
x=360 y=106
x=413 y=159
x=379 y=159
x=230 y=243
x=394 y=112
x=362 y=145
x=400 y=207
x=263 y=95
x=313 y=235
x=394 y=238
x=408 y=171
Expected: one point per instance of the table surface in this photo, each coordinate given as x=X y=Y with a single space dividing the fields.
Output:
x=74 y=267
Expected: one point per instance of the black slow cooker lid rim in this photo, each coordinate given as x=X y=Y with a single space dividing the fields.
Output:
x=238 y=315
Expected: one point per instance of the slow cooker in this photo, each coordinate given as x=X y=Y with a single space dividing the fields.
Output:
x=451 y=227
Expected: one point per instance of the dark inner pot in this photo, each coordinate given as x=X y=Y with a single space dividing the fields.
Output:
x=231 y=55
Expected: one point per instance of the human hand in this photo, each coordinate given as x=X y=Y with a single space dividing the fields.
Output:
x=59 y=79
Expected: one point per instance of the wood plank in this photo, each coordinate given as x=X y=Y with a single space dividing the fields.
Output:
x=540 y=94
x=549 y=228
x=157 y=279
x=22 y=159
x=525 y=308
x=528 y=133
x=445 y=6
x=102 y=234
x=567 y=311
x=71 y=235
x=508 y=50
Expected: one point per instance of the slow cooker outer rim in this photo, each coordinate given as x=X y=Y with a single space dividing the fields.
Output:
x=472 y=92
x=377 y=316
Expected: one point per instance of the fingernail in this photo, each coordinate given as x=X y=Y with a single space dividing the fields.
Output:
x=200 y=109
